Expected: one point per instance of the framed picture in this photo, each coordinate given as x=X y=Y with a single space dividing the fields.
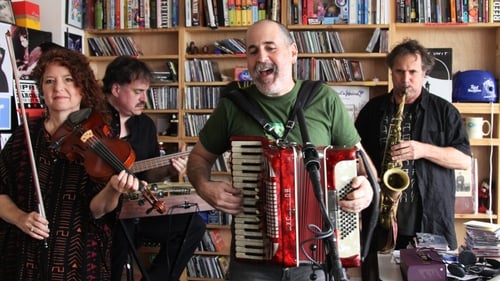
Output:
x=73 y=41
x=6 y=12
x=74 y=13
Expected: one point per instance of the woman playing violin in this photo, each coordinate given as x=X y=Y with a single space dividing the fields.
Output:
x=72 y=241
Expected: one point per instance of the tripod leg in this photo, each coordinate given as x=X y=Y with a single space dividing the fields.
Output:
x=134 y=252
x=181 y=248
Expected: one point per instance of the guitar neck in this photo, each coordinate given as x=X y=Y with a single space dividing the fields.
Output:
x=156 y=162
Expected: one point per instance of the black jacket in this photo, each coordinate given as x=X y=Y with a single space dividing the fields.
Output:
x=439 y=123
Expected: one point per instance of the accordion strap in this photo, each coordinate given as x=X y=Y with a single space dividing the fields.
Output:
x=241 y=99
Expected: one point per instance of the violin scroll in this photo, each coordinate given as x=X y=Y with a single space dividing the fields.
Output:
x=156 y=204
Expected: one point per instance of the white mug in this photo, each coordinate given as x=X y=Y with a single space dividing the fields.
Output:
x=476 y=127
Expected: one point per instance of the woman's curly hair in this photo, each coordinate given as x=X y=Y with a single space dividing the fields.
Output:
x=79 y=68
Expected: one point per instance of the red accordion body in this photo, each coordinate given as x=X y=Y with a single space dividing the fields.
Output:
x=281 y=212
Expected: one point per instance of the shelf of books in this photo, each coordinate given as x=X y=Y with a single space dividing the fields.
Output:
x=195 y=50
x=211 y=258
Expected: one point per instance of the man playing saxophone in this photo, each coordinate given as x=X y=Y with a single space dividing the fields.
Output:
x=430 y=142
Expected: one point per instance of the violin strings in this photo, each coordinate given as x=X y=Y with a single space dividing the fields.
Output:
x=106 y=154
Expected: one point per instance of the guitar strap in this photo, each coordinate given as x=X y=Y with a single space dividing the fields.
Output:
x=307 y=91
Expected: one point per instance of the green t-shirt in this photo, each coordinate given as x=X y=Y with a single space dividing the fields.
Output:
x=328 y=122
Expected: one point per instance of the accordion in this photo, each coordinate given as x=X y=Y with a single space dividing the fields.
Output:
x=282 y=216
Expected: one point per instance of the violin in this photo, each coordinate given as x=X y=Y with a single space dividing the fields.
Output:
x=85 y=138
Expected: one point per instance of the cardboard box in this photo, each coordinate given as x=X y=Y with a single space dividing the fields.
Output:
x=27 y=14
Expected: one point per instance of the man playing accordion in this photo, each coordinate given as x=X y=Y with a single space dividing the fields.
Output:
x=271 y=54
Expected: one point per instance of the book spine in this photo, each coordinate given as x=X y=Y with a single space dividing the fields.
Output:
x=173 y=70
x=480 y=10
x=459 y=10
x=118 y=14
x=225 y=12
x=486 y=10
x=89 y=22
x=196 y=12
x=473 y=10
x=174 y=13
x=262 y=9
x=465 y=10
x=373 y=41
x=231 y=8
x=188 y=16
x=208 y=10
x=110 y=14
x=153 y=21
x=147 y=14
x=238 y=12
x=255 y=11
x=275 y=11
x=215 y=13
x=98 y=15
x=495 y=11
x=221 y=21
x=249 y=11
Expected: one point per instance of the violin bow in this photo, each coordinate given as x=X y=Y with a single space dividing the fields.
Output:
x=36 y=182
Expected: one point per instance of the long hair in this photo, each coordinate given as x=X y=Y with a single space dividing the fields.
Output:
x=79 y=68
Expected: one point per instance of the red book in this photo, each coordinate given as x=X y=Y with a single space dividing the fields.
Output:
x=89 y=18
x=217 y=239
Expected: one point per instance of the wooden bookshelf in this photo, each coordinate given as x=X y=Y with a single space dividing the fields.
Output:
x=474 y=47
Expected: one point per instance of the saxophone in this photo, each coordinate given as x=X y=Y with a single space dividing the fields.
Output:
x=394 y=181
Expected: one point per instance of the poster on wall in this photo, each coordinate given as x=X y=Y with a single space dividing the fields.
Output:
x=353 y=97
x=28 y=45
x=439 y=81
x=6 y=82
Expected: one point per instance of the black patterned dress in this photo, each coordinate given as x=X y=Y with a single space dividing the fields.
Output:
x=79 y=245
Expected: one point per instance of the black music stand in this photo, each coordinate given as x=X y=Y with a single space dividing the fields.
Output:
x=133 y=252
x=135 y=256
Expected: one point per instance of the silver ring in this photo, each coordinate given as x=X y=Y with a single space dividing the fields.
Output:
x=32 y=229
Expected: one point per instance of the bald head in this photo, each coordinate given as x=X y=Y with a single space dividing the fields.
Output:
x=277 y=28
x=271 y=53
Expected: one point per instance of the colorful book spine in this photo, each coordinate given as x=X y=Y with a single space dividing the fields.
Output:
x=231 y=8
x=262 y=9
x=239 y=12
x=255 y=10
x=98 y=16
x=473 y=11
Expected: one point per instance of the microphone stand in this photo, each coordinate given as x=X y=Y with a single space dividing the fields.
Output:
x=311 y=162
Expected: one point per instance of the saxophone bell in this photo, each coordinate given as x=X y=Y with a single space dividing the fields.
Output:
x=396 y=179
